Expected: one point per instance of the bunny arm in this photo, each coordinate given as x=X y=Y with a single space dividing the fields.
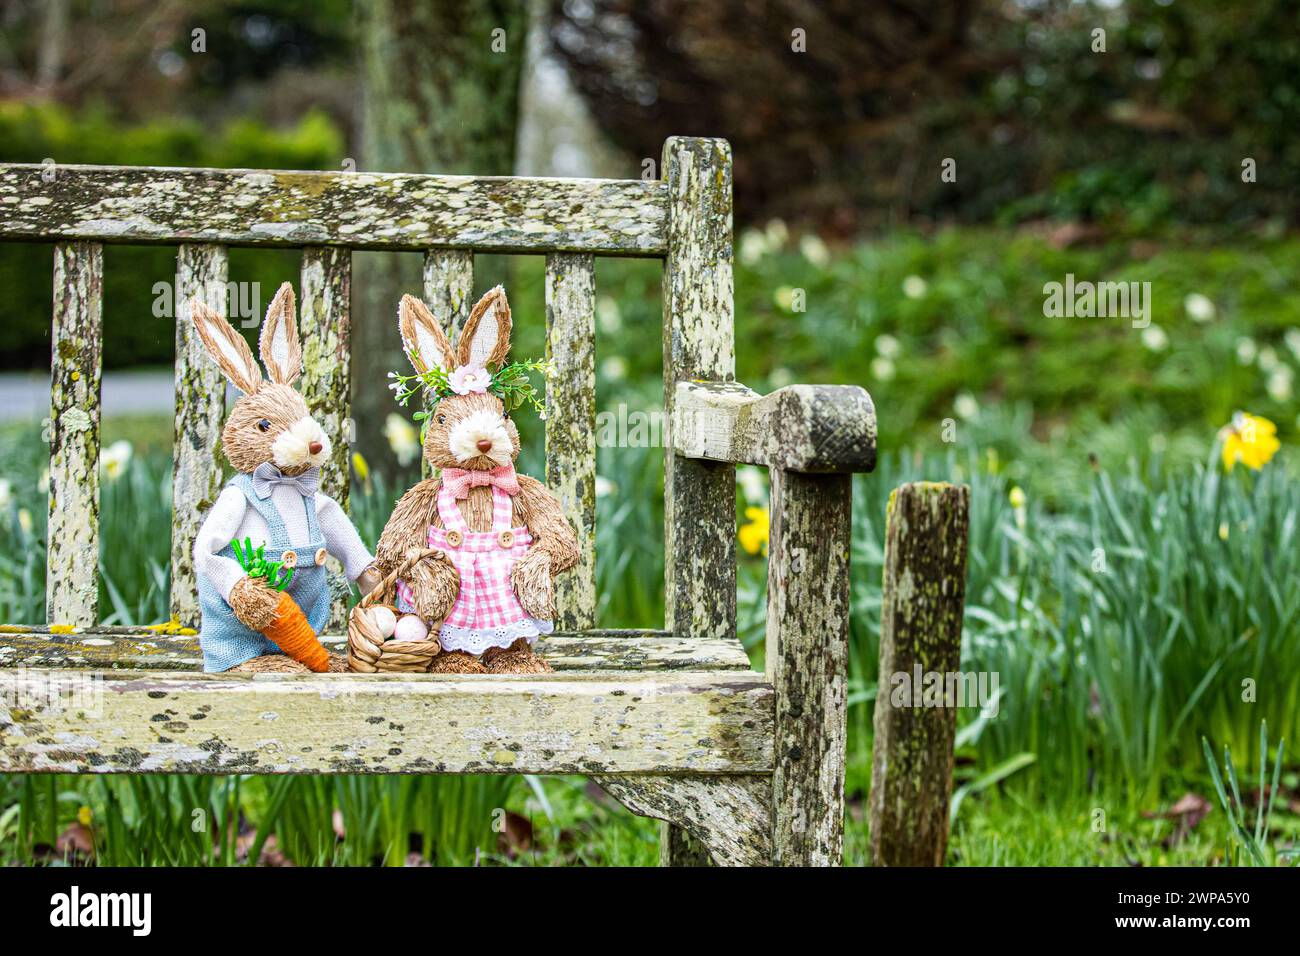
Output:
x=434 y=583
x=550 y=529
x=217 y=531
x=341 y=537
x=554 y=549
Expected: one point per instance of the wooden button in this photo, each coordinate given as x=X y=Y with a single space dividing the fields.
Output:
x=454 y=538
x=289 y=559
x=506 y=539
x=320 y=555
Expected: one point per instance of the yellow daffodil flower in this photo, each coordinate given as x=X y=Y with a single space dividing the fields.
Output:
x=754 y=534
x=1249 y=439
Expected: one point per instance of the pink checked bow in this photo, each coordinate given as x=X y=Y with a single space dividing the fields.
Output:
x=459 y=481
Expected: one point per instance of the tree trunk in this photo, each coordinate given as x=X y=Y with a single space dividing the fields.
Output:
x=440 y=89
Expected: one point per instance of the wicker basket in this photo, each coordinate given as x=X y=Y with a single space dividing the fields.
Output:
x=368 y=652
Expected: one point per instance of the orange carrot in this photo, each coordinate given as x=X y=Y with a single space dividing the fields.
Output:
x=293 y=635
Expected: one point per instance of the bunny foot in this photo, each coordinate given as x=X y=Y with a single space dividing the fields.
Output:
x=518 y=658
x=456 y=662
x=284 y=664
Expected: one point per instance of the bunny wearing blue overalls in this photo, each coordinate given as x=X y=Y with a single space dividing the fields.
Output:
x=277 y=449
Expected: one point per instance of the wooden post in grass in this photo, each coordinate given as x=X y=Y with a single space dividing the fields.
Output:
x=920 y=633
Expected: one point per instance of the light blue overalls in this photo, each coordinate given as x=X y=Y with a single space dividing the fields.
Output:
x=226 y=642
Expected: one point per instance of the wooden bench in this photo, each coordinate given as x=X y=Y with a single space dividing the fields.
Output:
x=745 y=768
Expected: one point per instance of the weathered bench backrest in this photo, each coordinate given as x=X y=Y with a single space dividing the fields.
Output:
x=684 y=218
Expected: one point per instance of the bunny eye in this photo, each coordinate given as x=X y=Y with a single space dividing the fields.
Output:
x=264 y=424
x=442 y=419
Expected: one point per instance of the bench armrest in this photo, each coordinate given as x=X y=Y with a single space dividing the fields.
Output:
x=804 y=428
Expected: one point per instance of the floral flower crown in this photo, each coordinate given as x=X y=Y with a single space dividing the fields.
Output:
x=510 y=383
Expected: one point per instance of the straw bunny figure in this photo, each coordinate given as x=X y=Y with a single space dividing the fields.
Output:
x=503 y=536
x=276 y=449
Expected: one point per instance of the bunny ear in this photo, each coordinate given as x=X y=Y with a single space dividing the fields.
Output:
x=423 y=339
x=485 y=339
x=281 y=353
x=227 y=347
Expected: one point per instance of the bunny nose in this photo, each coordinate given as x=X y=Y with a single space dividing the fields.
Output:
x=314 y=447
x=485 y=445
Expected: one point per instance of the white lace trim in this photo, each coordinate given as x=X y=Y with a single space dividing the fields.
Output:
x=476 y=640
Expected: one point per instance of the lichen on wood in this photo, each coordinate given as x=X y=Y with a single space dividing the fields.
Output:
x=143 y=722
x=807 y=662
x=325 y=326
x=571 y=424
x=361 y=210
x=200 y=411
x=699 y=344
x=811 y=428
x=72 y=556
x=728 y=816
x=920 y=627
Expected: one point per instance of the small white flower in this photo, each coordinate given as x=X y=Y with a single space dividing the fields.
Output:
x=6 y=493
x=43 y=483
x=753 y=246
x=753 y=484
x=777 y=233
x=965 y=406
x=614 y=368
x=1154 y=338
x=1267 y=359
x=914 y=287
x=1246 y=350
x=882 y=369
x=887 y=346
x=815 y=251
x=1279 y=383
x=25 y=520
x=1292 y=340
x=1199 y=308
x=780 y=377
x=468 y=379
x=784 y=297
x=402 y=437
x=605 y=487
x=115 y=458
x=608 y=314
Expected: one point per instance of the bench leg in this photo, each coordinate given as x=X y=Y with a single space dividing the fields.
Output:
x=726 y=818
x=807 y=662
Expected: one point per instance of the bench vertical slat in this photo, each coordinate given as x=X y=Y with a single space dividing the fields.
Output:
x=72 y=555
x=448 y=285
x=325 y=327
x=699 y=343
x=201 y=271
x=571 y=423
x=808 y=662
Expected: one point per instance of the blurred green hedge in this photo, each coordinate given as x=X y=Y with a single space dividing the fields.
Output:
x=32 y=133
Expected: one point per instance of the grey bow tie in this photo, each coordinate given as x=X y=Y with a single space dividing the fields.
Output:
x=266 y=476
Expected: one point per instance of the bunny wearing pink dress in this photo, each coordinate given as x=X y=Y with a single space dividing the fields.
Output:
x=502 y=535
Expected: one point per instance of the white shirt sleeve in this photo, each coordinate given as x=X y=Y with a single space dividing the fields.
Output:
x=218 y=530
x=341 y=538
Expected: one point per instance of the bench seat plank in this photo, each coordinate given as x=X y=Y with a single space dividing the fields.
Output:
x=637 y=722
x=397 y=211
x=116 y=648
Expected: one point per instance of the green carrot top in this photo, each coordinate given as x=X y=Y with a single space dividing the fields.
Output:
x=253 y=561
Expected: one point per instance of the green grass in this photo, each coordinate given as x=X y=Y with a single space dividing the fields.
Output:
x=1109 y=677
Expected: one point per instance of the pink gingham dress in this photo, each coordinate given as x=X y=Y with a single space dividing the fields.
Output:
x=486 y=613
